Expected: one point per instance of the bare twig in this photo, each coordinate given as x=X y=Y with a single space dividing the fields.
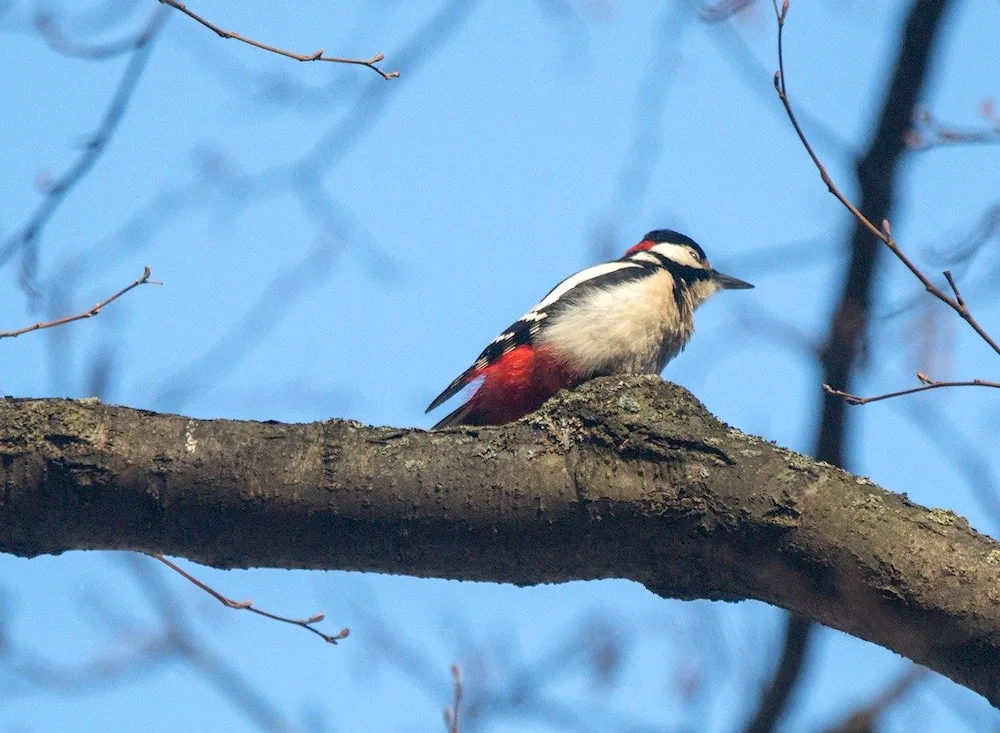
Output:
x=451 y=712
x=962 y=450
x=954 y=288
x=927 y=383
x=250 y=329
x=301 y=176
x=306 y=623
x=863 y=719
x=743 y=60
x=774 y=699
x=766 y=326
x=721 y=10
x=646 y=144
x=883 y=233
x=141 y=658
x=59 y=43
x=315 y=56
x=138 y=651
x=25 y=240
x=928 y=132
x=183 y=643
x=522 y=686
x=877 y=176
x=143 y=280
x=971 y=244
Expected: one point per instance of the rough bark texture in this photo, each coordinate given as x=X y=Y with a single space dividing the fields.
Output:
x=619 y=479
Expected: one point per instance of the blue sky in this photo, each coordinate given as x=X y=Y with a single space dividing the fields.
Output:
x=333 y=245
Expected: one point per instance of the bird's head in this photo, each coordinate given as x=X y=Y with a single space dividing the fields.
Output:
x=685 y=260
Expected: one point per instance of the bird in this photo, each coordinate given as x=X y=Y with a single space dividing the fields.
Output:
x=627 y=316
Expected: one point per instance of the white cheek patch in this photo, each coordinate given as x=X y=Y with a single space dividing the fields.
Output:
x=583 y=276
x=680 y=254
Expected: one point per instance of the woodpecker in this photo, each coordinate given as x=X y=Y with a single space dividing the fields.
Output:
x=628 y=316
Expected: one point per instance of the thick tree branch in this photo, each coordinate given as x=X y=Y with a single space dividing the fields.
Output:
x=619 y=479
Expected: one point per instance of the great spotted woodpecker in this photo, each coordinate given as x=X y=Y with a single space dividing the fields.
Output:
x=629 y=316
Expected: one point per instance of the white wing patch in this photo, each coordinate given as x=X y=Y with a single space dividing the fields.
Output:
x=571 y=282
x=533 y=315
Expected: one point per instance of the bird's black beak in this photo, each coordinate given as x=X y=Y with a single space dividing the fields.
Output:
x=729 y=283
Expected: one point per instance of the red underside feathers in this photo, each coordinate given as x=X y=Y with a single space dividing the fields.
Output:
x=516 y=384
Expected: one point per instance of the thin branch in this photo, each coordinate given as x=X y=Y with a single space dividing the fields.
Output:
x=756 y=320
x=25 y=240
x=142 y=659
x=214 y=669
x=721 y=10
x=306 y=623
x=451 y=713
x=877 y=173
x=315 y=56
x=743 y=60
x=59 y=43
x=774 y=699
x=965 y=452
x=139 y=652
x=143 y=280
x=952 y=136
x=954 y=288
x=864 y=718
x=256 y=323
x=646 y=143
x=928 y=133
x=928 y=384
x=883 y=234
x=971 y=244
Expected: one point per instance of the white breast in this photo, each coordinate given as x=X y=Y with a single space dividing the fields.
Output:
x=630 y=328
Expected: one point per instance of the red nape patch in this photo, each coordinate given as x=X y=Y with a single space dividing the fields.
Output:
x=517 y=383
x=643 y=245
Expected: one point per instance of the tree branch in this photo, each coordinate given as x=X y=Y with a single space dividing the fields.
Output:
x=799 y=631
x=141 y=280
x=619 y=479
x=864 y=718
x=309 y=624
x=315 y=56
x=60 y=43
x=877 y=174
x=926 y=384
x=26 y=240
